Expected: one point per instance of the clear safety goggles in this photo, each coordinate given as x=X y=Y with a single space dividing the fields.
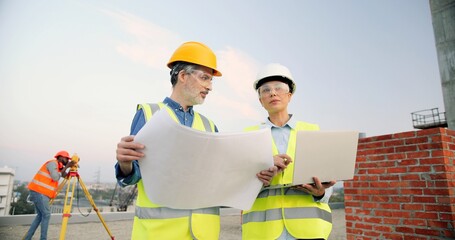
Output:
x=278 y=88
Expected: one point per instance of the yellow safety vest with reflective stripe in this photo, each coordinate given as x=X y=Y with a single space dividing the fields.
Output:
x=275 y=209
x=43 y=183
x=153 y=221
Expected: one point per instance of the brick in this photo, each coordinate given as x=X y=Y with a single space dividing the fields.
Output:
x=392 y=221
x=384 y=150
x=400 y=199
x=392 y=236
x=410 y=148
x=432 y=161
x=428 y=146
x=419 y=168
x=381 y=138
x=413 y=191
x=417 y=140
x=417 y=184
x=401 y=214
x=352 y=204
x=363 y=226
x=404 y=229
x=396 y=170
x=381 y=198
x=404 y=135
x=372 y=234
x=407 y=162
x=383 y=228
x=389 y=205
x=383 y=213
x=410 y=177
x=430 y=131
x=399 y=184
x=361 y=198
x=395 y=142
x=438 y=176
x=441 y=192
x=427 y=232
x=438 y=208
x=412 y=207
x=363 y=211
x=360 y=184
x=376 y=171
x=369 y=205
x=373 y=220
x=379 y=184
x=423 y=199
x=426 y=215
x=375 y=157
x=415 y=222
x=389 y=178
x=438 y=224
x=420 y=154
x=373 y=145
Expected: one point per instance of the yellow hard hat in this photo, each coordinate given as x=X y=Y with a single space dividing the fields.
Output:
x=197 y=53
x=275 y=71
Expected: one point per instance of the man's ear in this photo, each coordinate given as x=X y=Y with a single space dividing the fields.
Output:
x=181 y=76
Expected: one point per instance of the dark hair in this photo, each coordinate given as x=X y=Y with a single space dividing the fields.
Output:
x=179 y=66
x=275 y=78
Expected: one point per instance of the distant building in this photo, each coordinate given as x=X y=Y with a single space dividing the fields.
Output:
x=6 y=189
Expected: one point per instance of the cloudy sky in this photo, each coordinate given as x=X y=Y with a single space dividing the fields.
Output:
x=72 y=72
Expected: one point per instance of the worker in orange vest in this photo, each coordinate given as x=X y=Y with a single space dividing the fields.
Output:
x=43 y=187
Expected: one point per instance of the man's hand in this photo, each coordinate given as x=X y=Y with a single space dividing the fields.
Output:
x=127 y=152
x=281 y=161
x=265 y=176
x=317 y=188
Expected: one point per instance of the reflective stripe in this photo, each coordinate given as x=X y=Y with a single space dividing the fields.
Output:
x=154 y=107
x=290 y=213
x=277 y=192
x=165 y=213
x=44 y=185
x=44 y=174
x=206 y=123
x=151 y=108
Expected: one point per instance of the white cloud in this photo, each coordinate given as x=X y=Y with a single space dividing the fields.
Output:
x=150 y=43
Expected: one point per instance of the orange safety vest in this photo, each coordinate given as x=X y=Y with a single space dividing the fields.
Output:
x=43 y=182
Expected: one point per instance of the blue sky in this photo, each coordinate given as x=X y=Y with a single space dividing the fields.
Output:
x=72 y=72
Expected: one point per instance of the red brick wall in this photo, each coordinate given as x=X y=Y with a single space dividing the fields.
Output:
x=403 y=187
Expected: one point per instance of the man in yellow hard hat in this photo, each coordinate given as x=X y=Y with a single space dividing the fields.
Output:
x=43 y=187
x=193 y=66
x=299 y=212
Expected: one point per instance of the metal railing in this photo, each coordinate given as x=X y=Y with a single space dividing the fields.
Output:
x=429 y=118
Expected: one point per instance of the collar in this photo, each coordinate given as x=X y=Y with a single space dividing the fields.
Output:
x=291 y=123
x=176 y=106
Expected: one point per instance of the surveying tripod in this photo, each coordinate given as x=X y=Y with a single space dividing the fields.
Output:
x=70 y=180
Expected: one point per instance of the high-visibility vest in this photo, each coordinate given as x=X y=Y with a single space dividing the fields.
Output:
x=152 y=221
x=276 y=209
x=43 y=183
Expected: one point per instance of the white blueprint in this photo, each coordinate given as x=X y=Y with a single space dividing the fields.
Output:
x=185 y=168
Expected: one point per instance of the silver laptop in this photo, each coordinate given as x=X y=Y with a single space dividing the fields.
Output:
x=328 y=155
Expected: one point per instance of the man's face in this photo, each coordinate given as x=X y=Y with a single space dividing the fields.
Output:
x=198 y=83
x=64 y=160
x=274 y=96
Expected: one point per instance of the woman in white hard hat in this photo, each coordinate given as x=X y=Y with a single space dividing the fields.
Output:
x=298 y=212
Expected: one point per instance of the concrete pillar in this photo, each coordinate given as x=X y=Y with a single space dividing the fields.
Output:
x=443 y=17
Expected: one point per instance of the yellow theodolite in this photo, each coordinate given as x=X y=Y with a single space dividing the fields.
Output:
x=70 y=182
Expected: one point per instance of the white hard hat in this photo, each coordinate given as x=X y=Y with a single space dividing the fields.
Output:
x=275 y=72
